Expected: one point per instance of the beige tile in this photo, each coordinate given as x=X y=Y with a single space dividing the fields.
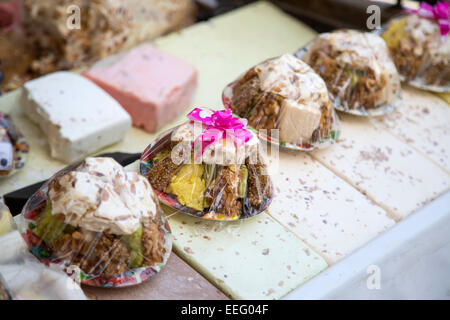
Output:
x=323 y=210
x=423 y=121
x=390 y=172
x=255 y=258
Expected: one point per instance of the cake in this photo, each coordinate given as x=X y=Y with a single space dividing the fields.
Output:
x=61 y=43
x=38 y=37
x=220 y=178
x=356 y=67
x=102 y=219
x=76 y=116
x=284 y=93
x=153 y=86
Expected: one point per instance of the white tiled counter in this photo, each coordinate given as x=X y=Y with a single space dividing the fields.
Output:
x=386 y=169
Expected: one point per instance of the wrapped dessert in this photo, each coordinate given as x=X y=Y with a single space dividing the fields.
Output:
x=360 y=76
x=23 y=277
x=64 y=40
x=100 y=222
x=13 y=147
x=38 y=37
x=209 y=167
x=420 y=46
x=285 y=94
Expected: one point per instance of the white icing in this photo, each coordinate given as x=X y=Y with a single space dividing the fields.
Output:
x=101 y=196
x=294 y=80
x=304 y=91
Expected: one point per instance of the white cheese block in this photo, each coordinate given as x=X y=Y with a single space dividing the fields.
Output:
x=77 y=117
x=297 y=124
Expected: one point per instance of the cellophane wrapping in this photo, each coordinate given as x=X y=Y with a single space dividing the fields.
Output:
x=13 y=147
x=221 y=184
x=419 y=51
x=86 y=243
x=22 y=276
x=359 y=73
x=287 y=99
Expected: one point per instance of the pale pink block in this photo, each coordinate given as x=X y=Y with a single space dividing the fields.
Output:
x=153 y=86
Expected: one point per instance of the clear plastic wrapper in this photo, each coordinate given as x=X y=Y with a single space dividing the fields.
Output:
x=22 y=276
x=360 y=75
x=209 y=167
x=13 y=147
x=285 y=103
x=103 y=224
x=420 y=51
x=5 y=292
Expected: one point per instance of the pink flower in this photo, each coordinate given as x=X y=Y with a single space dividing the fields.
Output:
x=219 y=124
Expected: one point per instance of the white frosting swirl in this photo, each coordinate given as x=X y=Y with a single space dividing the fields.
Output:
x=101 y=196
x=294 y=80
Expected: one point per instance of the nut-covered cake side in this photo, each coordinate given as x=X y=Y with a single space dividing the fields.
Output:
x=419 y=50
x=102 y=219
x=284 y=93
x=198 y=169
x=356 y=68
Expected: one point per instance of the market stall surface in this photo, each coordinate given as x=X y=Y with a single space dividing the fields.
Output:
x=327 y=203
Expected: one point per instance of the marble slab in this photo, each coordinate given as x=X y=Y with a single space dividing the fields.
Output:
x=323 y=210
x=385 y=169
x=423 y=121
x=177 y=281
x=256 y=258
